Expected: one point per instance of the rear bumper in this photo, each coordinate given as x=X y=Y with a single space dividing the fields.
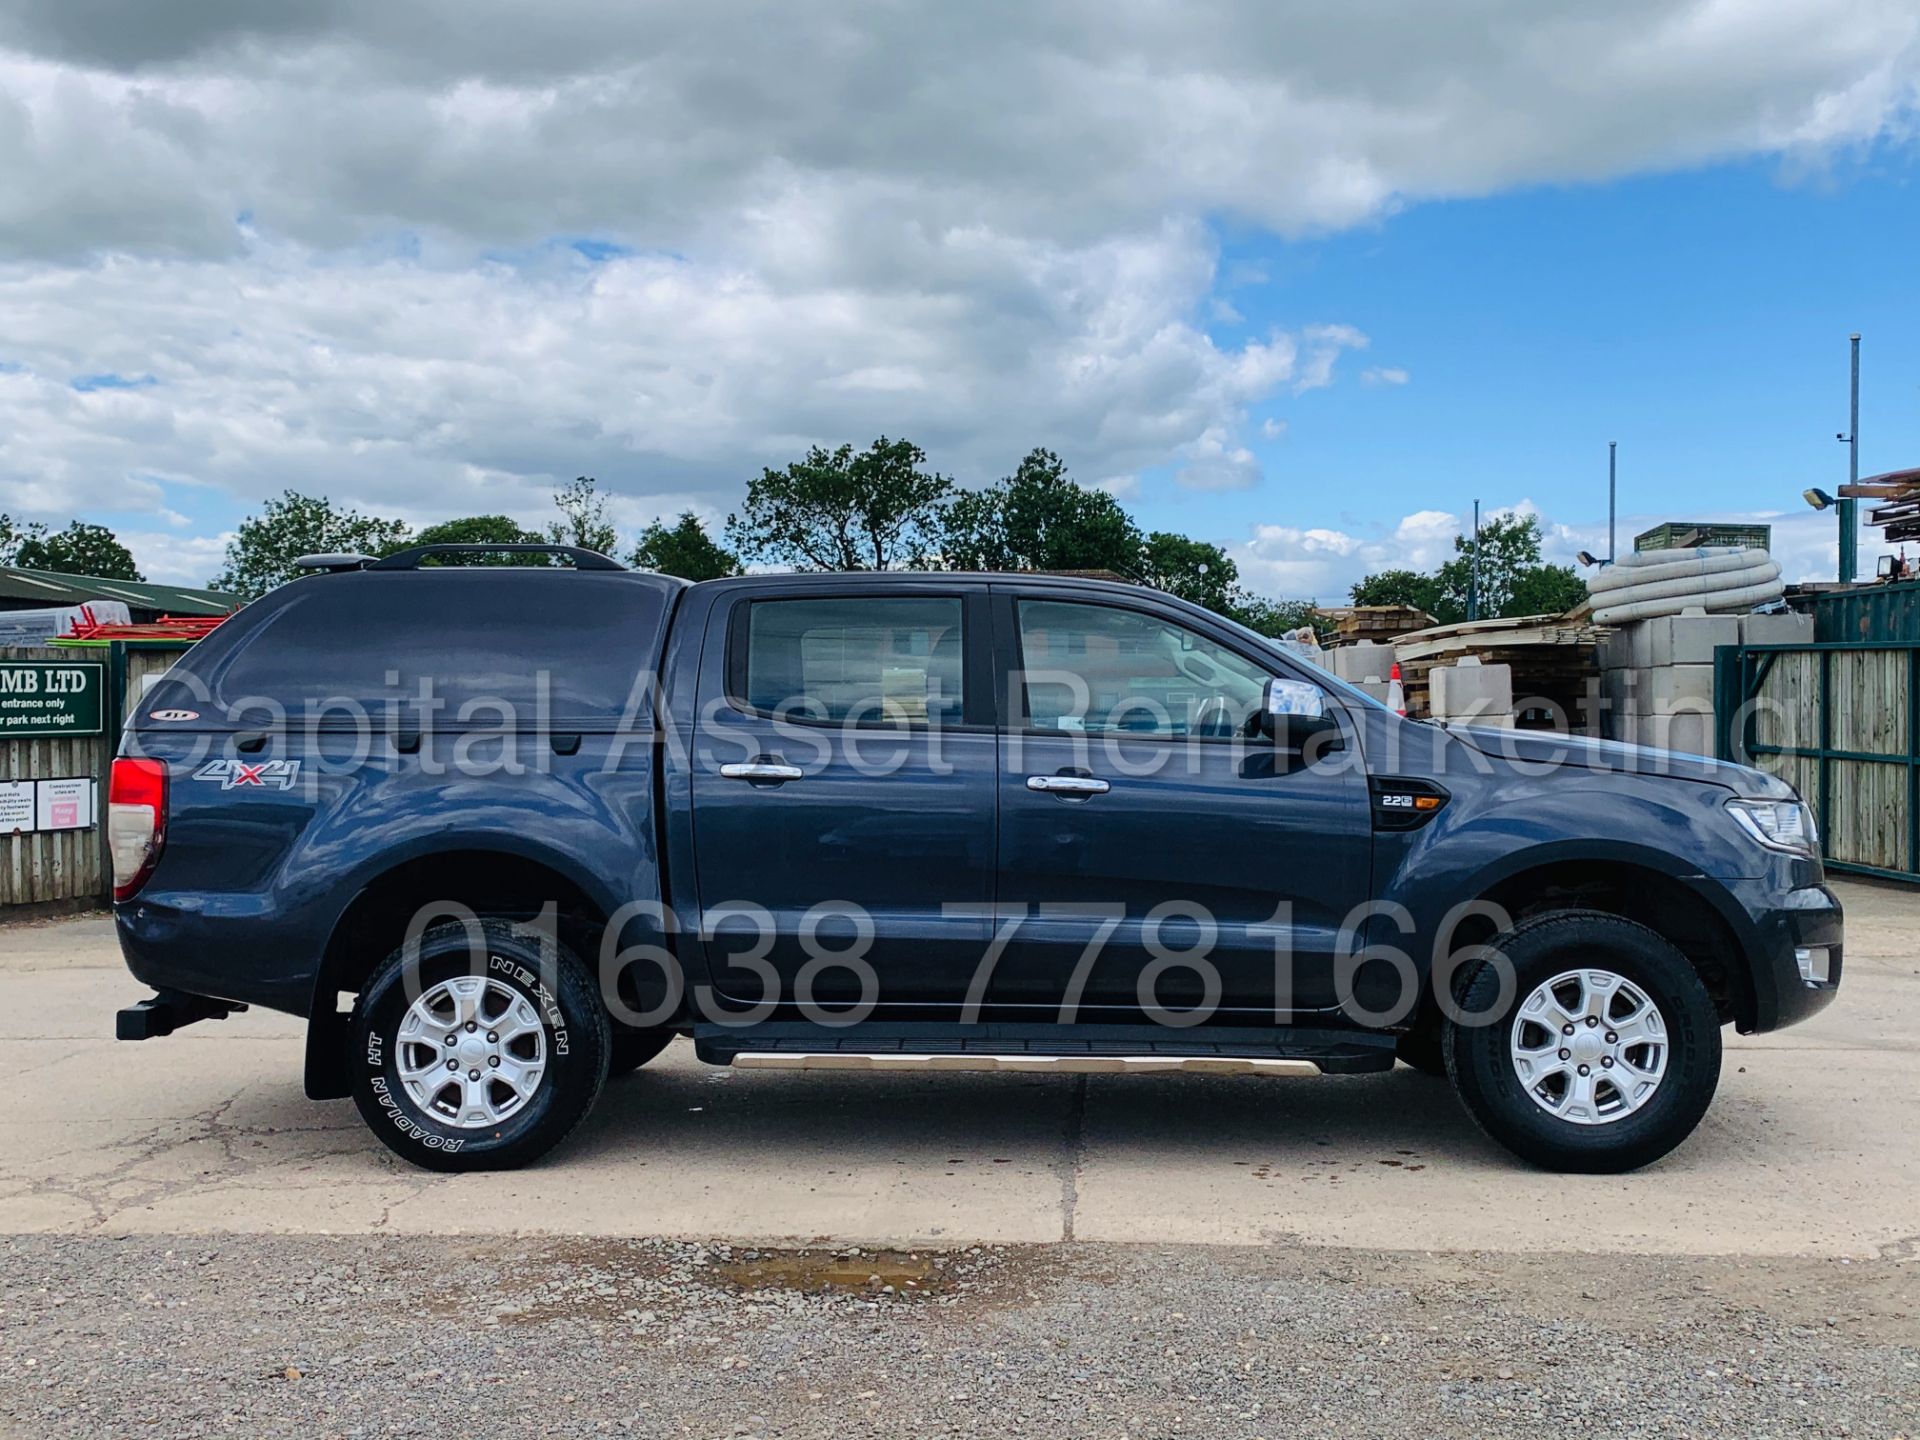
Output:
x=233 y=958
x=1794 y=945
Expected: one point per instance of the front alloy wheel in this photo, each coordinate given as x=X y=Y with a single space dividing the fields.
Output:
x=1592 y=1045
x=1589 y=1046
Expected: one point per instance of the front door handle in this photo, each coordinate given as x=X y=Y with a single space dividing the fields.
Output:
x=1067 y=784
x=761 y=772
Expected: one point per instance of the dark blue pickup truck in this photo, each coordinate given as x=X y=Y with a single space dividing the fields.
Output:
x=502 y=830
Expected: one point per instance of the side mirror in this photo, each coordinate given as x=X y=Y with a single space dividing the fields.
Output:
x=1293 y=711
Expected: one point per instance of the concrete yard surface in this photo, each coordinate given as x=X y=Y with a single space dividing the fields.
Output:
x=188 y=1246
x=1812 y=1148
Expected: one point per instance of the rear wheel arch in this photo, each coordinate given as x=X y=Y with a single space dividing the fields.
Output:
x=491 y=883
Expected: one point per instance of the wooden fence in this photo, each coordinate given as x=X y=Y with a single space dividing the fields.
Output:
x=1836 y=722
x=53 y=868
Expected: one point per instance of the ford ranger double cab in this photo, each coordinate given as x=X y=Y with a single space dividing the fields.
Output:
x=500 y=831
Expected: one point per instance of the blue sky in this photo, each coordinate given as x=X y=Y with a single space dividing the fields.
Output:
x=1301 y=280
x=1700 y=319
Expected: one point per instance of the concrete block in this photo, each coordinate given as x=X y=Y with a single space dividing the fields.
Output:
x=1615 y=651
x=1678 y=687
x=1785 y=629
x=1376 y=688
x=1639 y=646
x=1689 y=639
x=1364 y=661
x=1470 y=689
x=1688 y=732
x=1621 y=688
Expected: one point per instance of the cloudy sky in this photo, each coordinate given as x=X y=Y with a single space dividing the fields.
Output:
x=1303 y=279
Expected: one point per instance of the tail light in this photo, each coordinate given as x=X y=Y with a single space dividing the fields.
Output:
x=136 y=822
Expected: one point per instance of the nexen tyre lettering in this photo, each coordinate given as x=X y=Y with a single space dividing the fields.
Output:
x=478 y=1051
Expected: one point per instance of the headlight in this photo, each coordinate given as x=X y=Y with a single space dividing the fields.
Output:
x=1777 y=824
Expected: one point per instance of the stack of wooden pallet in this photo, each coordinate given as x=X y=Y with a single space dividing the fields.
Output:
x=1381 y=624
x=1552 y=656
x=1898 y=515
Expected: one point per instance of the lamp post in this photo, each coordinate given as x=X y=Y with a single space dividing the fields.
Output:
x=1848 y=506
x=1473 y=574
x=1612 y=447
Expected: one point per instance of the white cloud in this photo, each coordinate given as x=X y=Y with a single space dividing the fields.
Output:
x=174 y=559
x=422 y=390
x=1295 y=563
x=1384 y=375
x=339 y=119
x=1323 y=344
x=333 y=231
x=1272 y=429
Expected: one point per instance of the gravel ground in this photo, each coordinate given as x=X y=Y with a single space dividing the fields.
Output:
x=309 y=1336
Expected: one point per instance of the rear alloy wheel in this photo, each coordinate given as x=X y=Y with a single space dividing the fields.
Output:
x=1606 y=1054
x=476 y=1052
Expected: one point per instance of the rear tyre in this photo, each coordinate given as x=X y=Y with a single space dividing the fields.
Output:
x=481 y=1056
x=634 y=1048
x=1603 y=1054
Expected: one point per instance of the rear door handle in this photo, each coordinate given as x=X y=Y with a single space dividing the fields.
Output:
x=761 y=771
x=1067 y=784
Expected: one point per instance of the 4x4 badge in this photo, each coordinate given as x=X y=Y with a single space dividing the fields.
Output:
x=257 y=774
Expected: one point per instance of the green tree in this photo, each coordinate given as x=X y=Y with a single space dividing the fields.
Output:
x=1509 y=545
x=1038 y=519
x=1398 y=587
x=14 y=534
x=1546 y=590
x=584 y=520
x=483 y=530
x=685 y=550
x=80 y=549
x=1277 y=617
x=1192 y=569
x=875 y=509
x=262 y=551
x=1511 y=581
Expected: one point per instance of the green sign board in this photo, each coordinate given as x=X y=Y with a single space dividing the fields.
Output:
x=40 y=699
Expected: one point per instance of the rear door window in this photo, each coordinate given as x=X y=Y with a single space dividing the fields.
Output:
x=864 y=659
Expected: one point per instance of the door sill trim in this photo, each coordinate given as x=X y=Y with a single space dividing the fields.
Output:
x=1027 y=1064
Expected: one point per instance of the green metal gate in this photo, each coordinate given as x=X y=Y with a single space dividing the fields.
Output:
x=1834 y=720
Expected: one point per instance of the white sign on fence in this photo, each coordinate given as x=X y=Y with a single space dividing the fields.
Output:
x=64 y=804
x=16 y=806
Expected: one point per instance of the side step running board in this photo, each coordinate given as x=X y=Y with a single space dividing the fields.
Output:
x=1028 y=1064
x=1093 y=1048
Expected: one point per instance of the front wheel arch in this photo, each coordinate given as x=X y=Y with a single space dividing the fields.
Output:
x=1672 y=908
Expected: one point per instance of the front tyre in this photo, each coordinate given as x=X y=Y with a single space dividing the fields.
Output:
x=1601 y=1057
x=484 y=1056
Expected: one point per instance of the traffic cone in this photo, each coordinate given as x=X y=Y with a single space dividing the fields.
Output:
x=1396 y=693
